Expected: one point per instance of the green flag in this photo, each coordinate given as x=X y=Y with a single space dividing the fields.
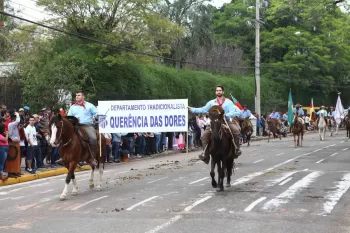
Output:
x=290 y=108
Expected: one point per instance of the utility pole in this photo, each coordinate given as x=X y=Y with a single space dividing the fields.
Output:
x=257 y=58
x=2 y=7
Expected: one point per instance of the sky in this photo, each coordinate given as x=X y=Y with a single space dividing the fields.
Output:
x=30 y=11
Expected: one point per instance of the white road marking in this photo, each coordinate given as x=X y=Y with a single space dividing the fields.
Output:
x=86 y=203
x=333 y=154
x=274 y=149
x=337 y=192
x=306 y=169
x=290 y=193
x=251 y=206
x=221 y=210
x=319 y=161
x=259 y=161
x=321 y=142
x=286 y=181
x=161 y=227
x=188 y=208
x=297 y=149
x=254 y=154
x=280 y=154
x=317 y=150
x=254 y=149
x=332 y=145
x=156 y=180
x=345 y=148
x=341 y=141
x=282 y=178
x=142 y=202
x=196 y=181
x=312 y=145
x=47 y=199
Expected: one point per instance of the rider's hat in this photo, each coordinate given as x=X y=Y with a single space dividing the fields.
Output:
x=297 y=105
x=322 y=106
x=244 y=105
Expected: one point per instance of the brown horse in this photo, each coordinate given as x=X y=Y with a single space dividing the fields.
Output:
x=74 y=149
x=221 y=148
x=246 y=128
x=298 y=130
x=272 y=128
x=347 y=125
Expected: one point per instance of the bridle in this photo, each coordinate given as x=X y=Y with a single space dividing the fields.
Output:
x=61 y=133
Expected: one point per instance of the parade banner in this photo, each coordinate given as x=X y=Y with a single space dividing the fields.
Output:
x=138 y=116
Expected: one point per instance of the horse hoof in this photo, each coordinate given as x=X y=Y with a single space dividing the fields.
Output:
x=63 y=197
x=228 y=185
x=98 y=188
x=75 y=193
x=92 y=186
x=214 y=185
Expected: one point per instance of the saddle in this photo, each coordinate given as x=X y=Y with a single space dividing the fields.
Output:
x=300 y=120
x=80 y=132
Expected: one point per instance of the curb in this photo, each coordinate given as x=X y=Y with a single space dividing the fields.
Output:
x=40 y=175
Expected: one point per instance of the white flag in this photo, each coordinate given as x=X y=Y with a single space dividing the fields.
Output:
x=339 y=111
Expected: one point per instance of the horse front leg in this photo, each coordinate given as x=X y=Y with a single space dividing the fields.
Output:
x=295 y=142
x=99 y=183
x=221 y=175
x=71 y=167
x=91 y=179
x=212 y=173
x=319 y=132
x=229 y=172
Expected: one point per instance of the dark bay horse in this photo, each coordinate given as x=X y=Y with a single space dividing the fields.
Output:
x=298 y=130
x=272 y=128
x=246 y=128
x=221 y=148
x=347 y=125
x=74 y=149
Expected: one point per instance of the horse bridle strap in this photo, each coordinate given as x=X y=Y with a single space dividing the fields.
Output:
x=60 y=140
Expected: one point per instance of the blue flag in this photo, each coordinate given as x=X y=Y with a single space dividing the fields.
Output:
x=290 y=108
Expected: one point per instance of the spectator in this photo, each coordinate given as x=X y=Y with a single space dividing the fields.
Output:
x=3 y=150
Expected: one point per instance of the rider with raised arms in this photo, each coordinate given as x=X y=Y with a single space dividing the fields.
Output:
x=230 y=111
x=85 y=112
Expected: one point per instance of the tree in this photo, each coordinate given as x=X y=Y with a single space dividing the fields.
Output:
x=195 y=16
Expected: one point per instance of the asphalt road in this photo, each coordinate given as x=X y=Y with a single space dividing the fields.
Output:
x=276 y=188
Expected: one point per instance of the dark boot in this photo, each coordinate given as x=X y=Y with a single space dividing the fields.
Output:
x=206 y=157
x=238 y=151
x=92 y=155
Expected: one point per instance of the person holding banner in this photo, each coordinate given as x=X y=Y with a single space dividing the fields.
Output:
x=85 y=112
x=231 y=111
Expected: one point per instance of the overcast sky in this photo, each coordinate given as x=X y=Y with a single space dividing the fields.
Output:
x=30 y=11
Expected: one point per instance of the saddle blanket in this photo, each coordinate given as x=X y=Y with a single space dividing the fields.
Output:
x=300 y=120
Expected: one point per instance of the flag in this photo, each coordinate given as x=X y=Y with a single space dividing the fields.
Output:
x=235 y=101
x=290 y=108
x=339 y=111
x=312 y=110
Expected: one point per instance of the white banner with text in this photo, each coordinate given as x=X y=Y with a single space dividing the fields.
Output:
x=138 y=116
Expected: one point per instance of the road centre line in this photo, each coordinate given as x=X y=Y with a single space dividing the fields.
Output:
x=286 y=181
x=196 y=181
x=142 y=202
x=258 y=161
x=86 y=203
x=157 y=180
x=251 y=206
x=319 y=161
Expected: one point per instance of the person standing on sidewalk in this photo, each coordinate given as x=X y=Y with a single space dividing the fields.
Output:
x=3 y=151
x=32 y=144
x=13 y=161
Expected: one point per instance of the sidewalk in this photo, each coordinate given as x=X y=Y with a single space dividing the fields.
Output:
x=49 y=172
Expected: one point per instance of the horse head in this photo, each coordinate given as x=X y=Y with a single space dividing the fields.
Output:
x=61 y=128
x=216 y=116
